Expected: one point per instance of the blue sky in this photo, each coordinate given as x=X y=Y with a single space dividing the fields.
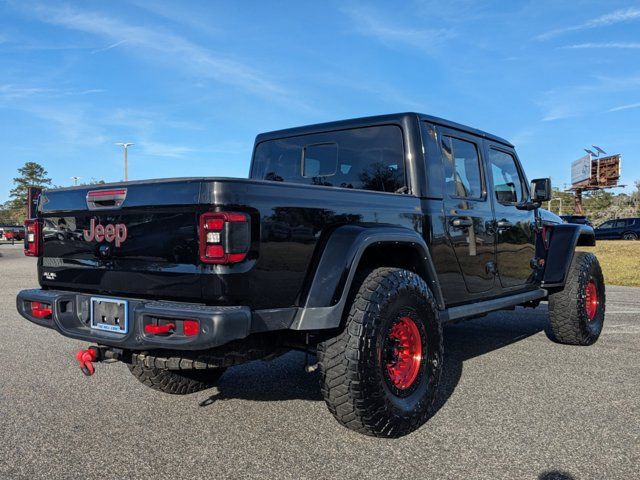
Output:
x=192 y=83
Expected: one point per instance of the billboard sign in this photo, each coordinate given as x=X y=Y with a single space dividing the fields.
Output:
x=581 y=169
x=605 y=171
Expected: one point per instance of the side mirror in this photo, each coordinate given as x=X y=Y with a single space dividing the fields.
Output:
x=541 y=190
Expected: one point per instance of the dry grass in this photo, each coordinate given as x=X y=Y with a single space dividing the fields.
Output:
x=620 y=261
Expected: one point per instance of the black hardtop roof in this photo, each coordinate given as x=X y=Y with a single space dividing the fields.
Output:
x=374 y=120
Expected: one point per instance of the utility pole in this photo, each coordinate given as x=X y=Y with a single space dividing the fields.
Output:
x=125 y=147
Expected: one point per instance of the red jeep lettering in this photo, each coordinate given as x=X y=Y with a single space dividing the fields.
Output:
x=109 y=232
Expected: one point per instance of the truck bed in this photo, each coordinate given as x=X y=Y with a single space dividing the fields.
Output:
x=159 y=258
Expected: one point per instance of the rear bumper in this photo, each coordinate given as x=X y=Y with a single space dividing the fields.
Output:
x=218 y=324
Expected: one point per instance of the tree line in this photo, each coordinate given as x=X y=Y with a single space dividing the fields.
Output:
x=31 y=174
x=598 y=205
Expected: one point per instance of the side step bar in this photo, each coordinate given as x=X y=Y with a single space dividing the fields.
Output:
x=479 y=308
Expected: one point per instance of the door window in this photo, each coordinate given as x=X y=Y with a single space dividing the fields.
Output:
x=507 y=182
x=608 y=224
x=463 y=173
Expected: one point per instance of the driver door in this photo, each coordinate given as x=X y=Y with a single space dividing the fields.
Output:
x=515 y=228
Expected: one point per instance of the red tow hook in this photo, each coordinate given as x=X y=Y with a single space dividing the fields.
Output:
x=85 y=359
x=160 y=329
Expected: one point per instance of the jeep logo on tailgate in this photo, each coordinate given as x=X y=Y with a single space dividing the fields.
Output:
x=110 y=232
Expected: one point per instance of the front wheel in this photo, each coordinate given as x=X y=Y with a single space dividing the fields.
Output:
x=577 y=311
x=380 y=374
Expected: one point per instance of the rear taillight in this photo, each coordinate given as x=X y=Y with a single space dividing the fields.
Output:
x=224 y=237
x=32 y=238
x=41 y=310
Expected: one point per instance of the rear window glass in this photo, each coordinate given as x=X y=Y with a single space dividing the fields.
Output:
x=320 y=160
x=370 y=158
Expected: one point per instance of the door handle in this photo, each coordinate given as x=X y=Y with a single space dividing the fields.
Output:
x=461 y=222
x=504 y=224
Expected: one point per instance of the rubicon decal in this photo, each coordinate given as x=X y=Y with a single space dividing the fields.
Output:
x=110 y=232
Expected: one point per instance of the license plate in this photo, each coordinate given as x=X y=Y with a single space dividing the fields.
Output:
x=109 y=314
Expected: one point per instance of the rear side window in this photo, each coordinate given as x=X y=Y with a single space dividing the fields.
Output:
x=462 y=167
x=370 y=158
x=626 y=222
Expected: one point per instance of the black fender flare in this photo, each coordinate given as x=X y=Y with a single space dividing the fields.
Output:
x=333 y=275
x=564 y=240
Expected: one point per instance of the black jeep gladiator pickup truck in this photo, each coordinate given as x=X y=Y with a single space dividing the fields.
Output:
x=353 y=240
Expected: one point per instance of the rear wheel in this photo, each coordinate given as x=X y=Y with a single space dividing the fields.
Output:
x=380 y=374
x=577 y=312
x=176 y=382
x=630 y=236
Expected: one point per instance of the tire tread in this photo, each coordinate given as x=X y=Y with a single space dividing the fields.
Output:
x=565 y=306
x=344 y=383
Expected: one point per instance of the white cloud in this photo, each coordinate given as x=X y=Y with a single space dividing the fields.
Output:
x=372 y=88
x=167 y=48
x=90 y=91
x=625 y=107
x=378 y=26
x=108 y=47
x=612 y=18
x=10 y=92
x=621 y=45
x=586 y=98
x=522 y=137
x=71 y=121
x=197 y=17
x=153 y=148
x=161 y=149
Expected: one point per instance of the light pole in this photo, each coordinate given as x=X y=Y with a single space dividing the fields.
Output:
x=75 y=180
x=125 y=147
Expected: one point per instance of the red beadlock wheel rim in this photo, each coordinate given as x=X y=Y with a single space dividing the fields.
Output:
x=591 y=300
x=405 y=355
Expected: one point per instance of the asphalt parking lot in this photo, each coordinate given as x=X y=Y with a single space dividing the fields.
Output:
x=514 y=405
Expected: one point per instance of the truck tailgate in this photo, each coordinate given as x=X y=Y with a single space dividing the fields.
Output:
x=133 y=239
